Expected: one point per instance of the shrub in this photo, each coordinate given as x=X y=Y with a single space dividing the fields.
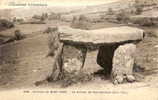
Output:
x=147 y=22
x=74 y=19
x=138 y=7
x=151 y=33
x=6 y=24
x=83 y=18
x=110 y=11
x=44 y=16
x=122 y=16
x=18 y=20
x=80 y=22
x=139 y=10
x=14 y=19
x=144 y=21
x=18 y=35
x=36 y=17
x=50 y=29
x=54 y=16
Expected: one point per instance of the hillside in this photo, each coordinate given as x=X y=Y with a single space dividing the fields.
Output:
x=95 y=12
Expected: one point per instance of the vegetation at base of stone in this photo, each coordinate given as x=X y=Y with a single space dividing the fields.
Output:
x=80 y=22
x=5 y=24
x=70 y=78
x=75 y=77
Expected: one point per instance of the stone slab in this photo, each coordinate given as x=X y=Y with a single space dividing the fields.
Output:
x=100 y=36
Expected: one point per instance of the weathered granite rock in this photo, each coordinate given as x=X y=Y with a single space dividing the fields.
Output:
x=123 y=62
x=73 y=58
x=57 y=72
x=53 y=41
x=55 y=51
x=100 y=36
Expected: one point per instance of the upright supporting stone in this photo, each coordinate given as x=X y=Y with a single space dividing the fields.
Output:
x=123 y=62
x=56 y=50
x=57 y=72
x=66 y=57
x=73 y=58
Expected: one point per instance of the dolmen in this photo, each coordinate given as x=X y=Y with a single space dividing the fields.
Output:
x=116 y=48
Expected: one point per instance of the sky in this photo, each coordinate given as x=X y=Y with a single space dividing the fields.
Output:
x=67 y=3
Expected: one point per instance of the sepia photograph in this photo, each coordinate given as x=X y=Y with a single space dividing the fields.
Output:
x=94 y=48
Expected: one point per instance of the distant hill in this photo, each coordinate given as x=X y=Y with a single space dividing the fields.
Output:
x=94 y=12
x=29 y=12
x=69 y=12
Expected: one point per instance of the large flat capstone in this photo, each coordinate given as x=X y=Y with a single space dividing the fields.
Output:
x=100 y=36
